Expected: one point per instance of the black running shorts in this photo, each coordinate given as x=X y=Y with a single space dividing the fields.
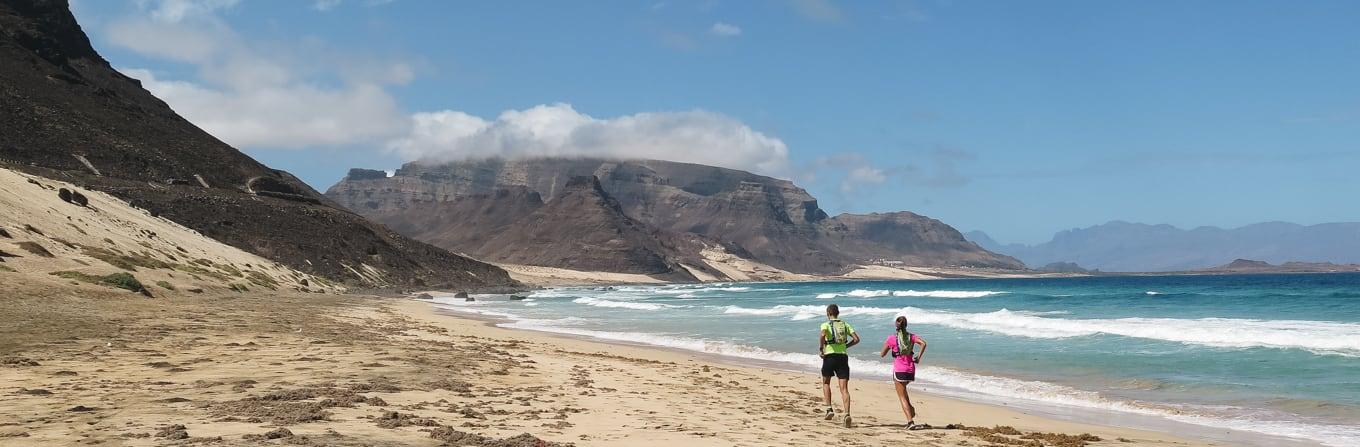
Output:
x=904 y=377
x=836 y=365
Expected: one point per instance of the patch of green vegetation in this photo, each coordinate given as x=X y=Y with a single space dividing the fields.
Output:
x=128 y=262
x=199 y=272
x=165 y=285
x=262 y=280
x=6 y=269
x=231 y=270
x=122 y=280
x=238 y=288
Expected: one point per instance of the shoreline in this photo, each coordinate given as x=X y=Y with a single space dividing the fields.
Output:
x=1043 y=416
x=536 y=278
x=106 y=366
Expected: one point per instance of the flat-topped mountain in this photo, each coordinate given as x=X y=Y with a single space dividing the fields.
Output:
x=685 y=206
x=66 y=114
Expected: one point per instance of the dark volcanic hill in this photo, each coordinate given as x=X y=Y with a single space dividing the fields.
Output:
x=66 y=113
x=766 y=219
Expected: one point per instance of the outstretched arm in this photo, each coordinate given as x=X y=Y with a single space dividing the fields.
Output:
x=821 y=343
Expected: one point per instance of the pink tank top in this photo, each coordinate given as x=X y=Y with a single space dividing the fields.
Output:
x=902 y=363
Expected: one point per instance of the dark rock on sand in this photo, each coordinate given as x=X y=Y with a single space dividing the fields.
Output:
x=457 y=295
x=451 y=436
x=80 y=409
x=278 y=433
x=173 y=432
x=18 y=361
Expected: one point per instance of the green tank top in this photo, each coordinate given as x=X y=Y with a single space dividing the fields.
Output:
x=843 y=329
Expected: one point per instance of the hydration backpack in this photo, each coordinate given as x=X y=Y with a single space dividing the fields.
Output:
x=903 y=344
x=840 y=332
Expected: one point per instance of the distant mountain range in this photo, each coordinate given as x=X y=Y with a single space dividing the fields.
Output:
x=1134 y=247
x=650 y=217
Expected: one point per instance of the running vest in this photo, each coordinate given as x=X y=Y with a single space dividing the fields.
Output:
x=840 y=332
x=903 y=344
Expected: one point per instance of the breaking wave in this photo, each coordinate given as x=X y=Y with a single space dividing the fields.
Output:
x=600 y=302
x=864 y=293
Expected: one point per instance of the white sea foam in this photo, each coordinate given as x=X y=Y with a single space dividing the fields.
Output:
x=946 y=293
x=1153 y=292
x=1321 y=337
x=477 y=311
x=799 y=313
x=974 y=385
x=692 y=289
x=865 y=293
x=600 y=302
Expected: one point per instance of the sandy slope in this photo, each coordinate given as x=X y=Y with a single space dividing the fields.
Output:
x=47 y=234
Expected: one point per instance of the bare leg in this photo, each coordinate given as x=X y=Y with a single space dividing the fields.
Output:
x=906 y=397
x=826 y=391
x=904 y=401
x=845 y=394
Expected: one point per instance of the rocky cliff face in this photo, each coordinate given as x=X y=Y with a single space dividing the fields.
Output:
x=66 y=113
x=911 y=238
x=583 y=228
x=766 y=219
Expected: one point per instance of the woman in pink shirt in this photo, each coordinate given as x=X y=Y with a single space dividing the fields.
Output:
x=902 y=346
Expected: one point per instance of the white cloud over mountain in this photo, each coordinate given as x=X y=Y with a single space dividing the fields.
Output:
x=293 y=95
x=695 y=136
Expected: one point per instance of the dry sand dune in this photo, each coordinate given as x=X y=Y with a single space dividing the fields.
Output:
x=47 y=240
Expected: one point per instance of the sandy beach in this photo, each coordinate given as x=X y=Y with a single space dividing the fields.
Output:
x=114 y=368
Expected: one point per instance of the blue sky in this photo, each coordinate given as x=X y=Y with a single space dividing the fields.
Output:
x=1015 y=118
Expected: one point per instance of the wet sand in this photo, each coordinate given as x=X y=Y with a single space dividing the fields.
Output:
x=82 y=367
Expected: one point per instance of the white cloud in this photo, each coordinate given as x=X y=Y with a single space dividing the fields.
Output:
x=177 y=10
x=695 y=136
x=862 y=176
x=259 y=94
x=325 y=5
x=284 y=115
x=725 y=30
x=818 y=10
x=175 y=41
x=269 y=95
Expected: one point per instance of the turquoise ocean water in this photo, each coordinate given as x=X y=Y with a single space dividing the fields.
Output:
x=1272 y=354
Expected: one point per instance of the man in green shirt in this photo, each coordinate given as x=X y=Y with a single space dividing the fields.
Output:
x=833 y=340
